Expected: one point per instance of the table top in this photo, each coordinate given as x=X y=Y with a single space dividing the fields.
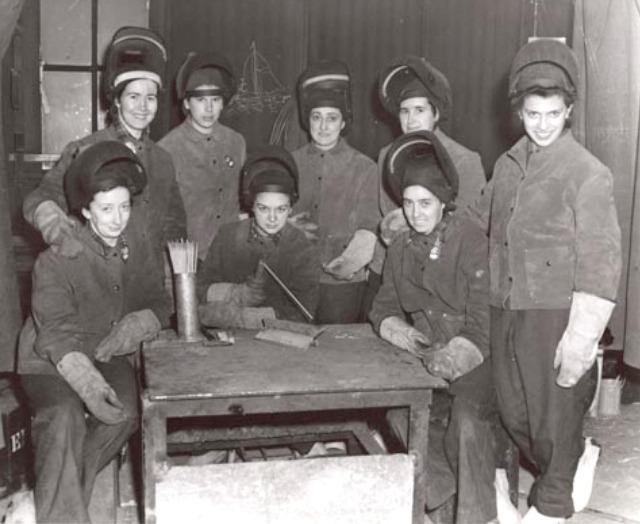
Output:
x=347 y=358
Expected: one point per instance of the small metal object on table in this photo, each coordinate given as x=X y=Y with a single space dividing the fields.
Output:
x=350 y=369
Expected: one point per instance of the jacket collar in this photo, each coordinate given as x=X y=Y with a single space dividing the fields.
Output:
x=525 y=148
x=196 y=136
x=339 y=148
x=93 y=242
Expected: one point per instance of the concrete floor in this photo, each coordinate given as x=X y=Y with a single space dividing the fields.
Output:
x=615 y=498
x=616 y=492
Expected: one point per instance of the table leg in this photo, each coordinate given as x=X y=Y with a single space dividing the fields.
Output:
x=417 y=447
x=154 y=455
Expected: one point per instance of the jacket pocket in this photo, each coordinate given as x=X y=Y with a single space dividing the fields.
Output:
x=549 y=273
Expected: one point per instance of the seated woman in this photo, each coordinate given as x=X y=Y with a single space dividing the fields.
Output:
x=436 y=276
x=232 y=281
x=88 y=314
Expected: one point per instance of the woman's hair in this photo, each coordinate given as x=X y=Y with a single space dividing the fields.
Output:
x=110 y=176
x=517 y=101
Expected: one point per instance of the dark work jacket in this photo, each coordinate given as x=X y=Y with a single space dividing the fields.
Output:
x=552 y=224
x=76 y=301
x=443 y=298
x=208 y=175
x=338 y=188
x=159 y=214
x=234 y=254
x=471 y=180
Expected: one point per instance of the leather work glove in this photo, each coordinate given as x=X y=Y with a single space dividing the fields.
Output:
x=404 y=336
x=228 y=315
x=58 y=229
x=248 y=294
x=453 y=360
x=100 y=398
x=357 y=255
x=301 y=222
x=127 y=335
x=578 y=347
x=393 y=224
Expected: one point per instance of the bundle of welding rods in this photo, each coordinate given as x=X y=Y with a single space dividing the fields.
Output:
x=184 y=260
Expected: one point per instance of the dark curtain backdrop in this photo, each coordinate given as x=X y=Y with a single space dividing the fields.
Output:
x=10 y=314
x=472 y=41
x=607 y=35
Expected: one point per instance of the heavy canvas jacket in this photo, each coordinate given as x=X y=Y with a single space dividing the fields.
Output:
x=445 y=297
x=338 y=188
x=76 y=301
x=159 y=213
x=208 y=175
x=234 y=255
x=552 y=225
x=471 y=180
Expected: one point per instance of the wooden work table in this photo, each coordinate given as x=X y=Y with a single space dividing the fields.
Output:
x=350 y=369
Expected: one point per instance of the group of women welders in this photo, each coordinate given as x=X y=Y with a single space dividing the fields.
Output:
x=502 y=289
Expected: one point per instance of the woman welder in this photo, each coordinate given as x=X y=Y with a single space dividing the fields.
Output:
x=135 y=64
x=338 y=191
x=231 y=280
x=88 y=313
x=555 y=261
x=436 y=276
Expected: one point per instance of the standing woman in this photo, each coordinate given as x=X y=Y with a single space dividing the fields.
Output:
x=338 y=191
x=88 y=314
x=207 y=155
x=135 y=64
x=555 y=262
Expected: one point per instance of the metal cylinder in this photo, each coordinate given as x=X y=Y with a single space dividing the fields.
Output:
x=187 y=306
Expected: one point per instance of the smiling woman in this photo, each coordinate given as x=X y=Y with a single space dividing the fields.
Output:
x=555 y=262
x=88 y=314
x=134 y=74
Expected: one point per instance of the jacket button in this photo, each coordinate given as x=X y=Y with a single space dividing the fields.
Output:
x=114 y=322
x=116 y=287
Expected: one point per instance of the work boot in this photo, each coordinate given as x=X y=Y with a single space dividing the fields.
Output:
x=507 y=512
x=533 y=516
x=585 y=474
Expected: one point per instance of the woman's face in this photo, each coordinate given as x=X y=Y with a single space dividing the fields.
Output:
x=204 y=110
x=325 y=125
x=271 y=211
x=137 y=105
x=422 y=209
x=544 y=118
x=417 y=114
x=108 y=213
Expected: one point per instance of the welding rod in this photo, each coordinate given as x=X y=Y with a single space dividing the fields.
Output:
x=289 y=293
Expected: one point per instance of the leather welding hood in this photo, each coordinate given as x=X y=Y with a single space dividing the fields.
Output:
x=134 y=53
x=414 y=77
x=545 y=63
x=325 y=84
x=101 y=167
x=206 y=69
x=419 y=158
x=269 y=169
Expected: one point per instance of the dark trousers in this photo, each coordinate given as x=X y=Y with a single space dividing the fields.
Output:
x=374 y=281
x=340 y=303
x=545 y=420
x=70 y=447
x=461 y=455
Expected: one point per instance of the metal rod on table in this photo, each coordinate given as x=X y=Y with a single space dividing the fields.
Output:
x=289 y=293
